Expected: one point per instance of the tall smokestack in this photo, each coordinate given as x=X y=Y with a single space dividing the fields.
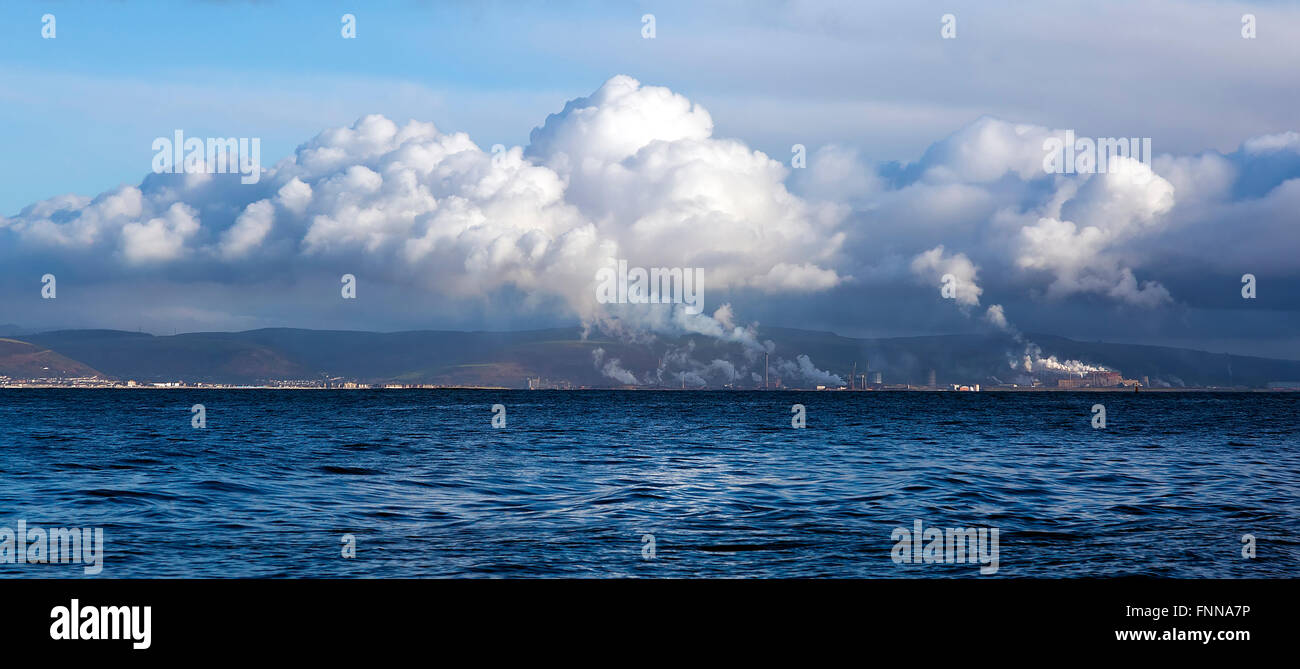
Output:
x=764 y=371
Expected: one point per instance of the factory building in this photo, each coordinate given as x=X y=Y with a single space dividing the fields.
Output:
x=1106 y=379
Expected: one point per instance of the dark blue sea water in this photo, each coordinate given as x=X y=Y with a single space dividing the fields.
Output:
x=726 y=487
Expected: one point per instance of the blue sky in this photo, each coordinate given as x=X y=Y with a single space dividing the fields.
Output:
x=900 y=125
x=82 y=108
x=119 y=74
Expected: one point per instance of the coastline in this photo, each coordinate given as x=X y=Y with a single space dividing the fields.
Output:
x=916 y=389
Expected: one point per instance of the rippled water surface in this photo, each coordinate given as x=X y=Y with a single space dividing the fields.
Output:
x=720 y=479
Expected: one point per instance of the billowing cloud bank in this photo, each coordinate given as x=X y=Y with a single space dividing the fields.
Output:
x=631 y=172
x=634 y=172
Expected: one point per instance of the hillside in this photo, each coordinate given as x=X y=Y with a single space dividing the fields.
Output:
x=506 y=358
x=20 y=359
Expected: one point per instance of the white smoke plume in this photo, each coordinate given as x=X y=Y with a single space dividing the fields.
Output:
x=1033 y=361
x=997 y=317
x=612 y=368
x=934 y=265
x=802 y=369
x=967 y=296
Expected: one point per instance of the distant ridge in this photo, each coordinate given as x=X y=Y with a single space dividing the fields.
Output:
x=560 y=354
x=19 y=359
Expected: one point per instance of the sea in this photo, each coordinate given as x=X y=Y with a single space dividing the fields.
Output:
x=653 y=484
